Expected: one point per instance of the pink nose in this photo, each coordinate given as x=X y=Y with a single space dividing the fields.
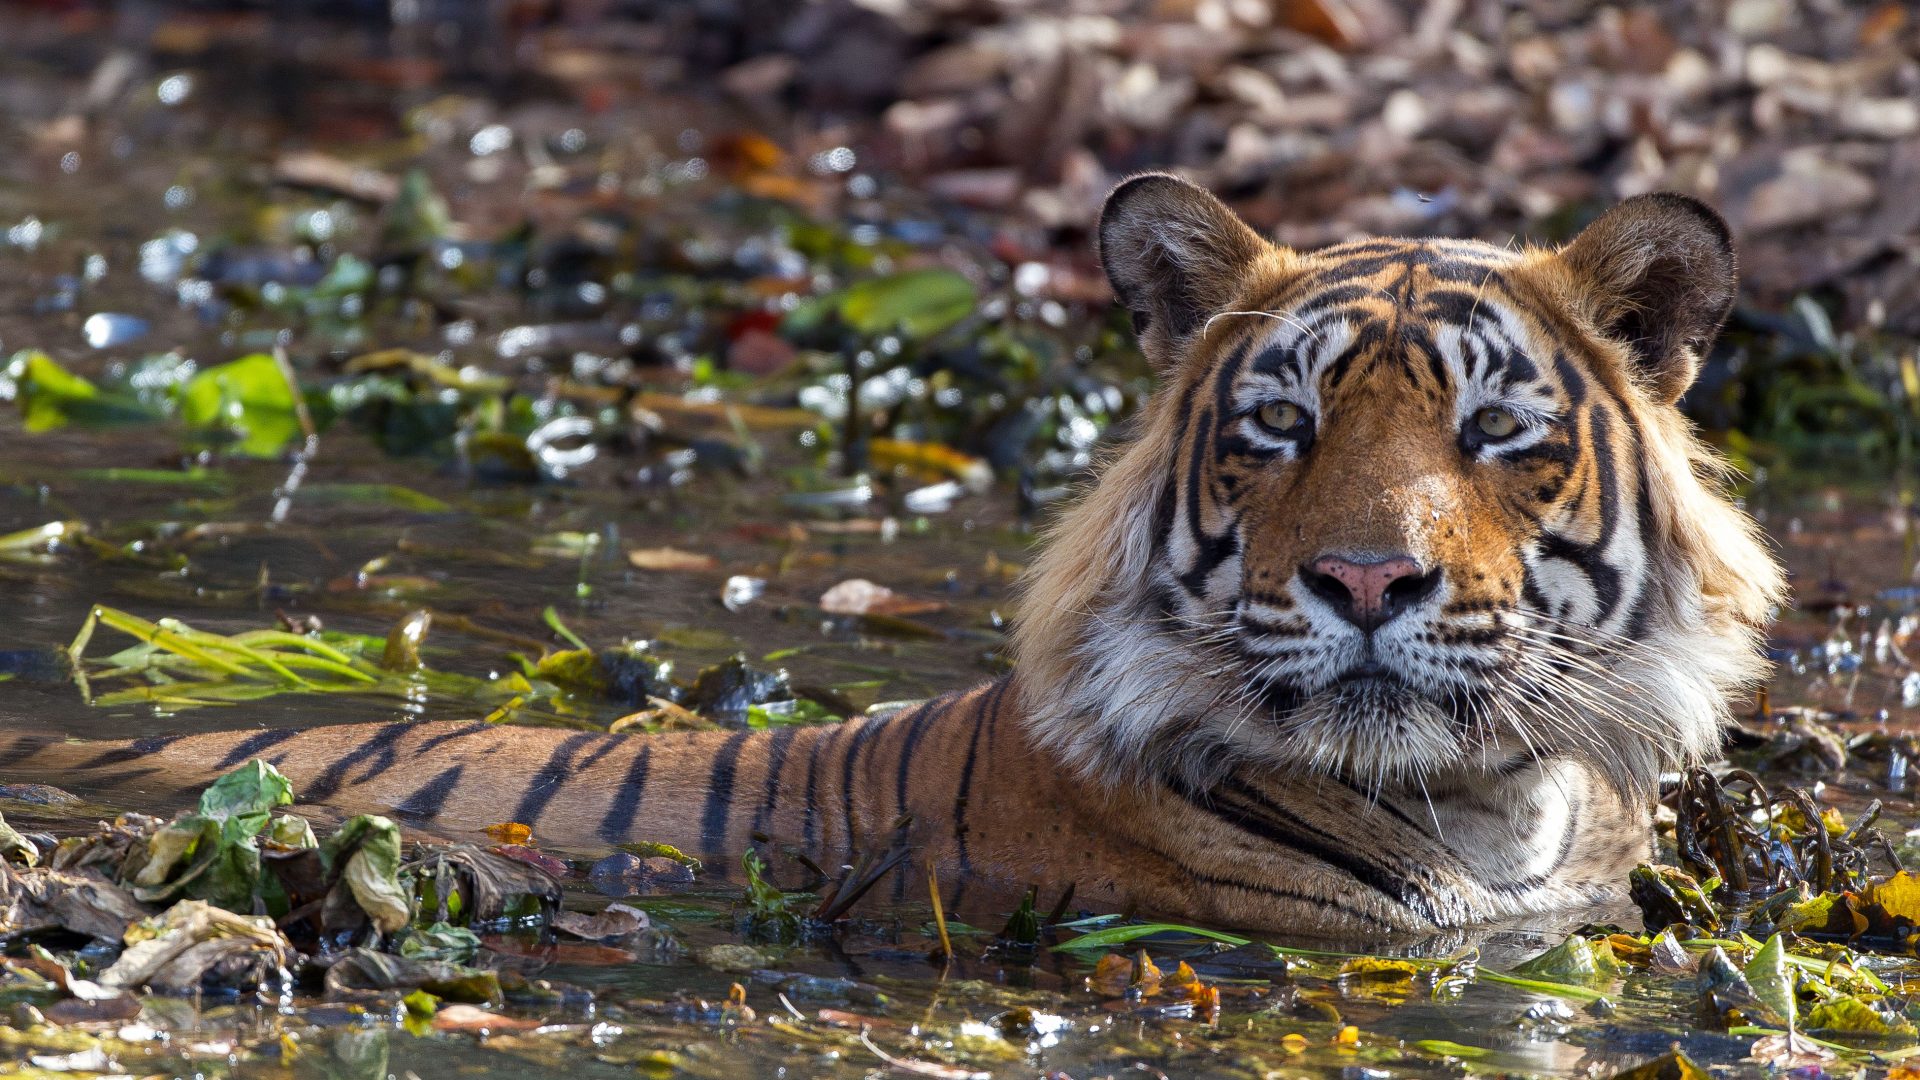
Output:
x=1368 y=594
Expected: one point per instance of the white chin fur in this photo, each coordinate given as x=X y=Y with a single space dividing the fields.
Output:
x=1146 y=703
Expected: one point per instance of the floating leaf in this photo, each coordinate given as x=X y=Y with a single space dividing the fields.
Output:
x=1378 y=969
x=1453 y=1049
x=614 y=921
x=919 y=303
x=249 y=399
x=51 y=397
x=370 y=874
x=858 y=596
x=1848 y=1015
x=360 y=971
x=453 y=944
x=1575 y=960
x=1772 y=980
x=670 y=559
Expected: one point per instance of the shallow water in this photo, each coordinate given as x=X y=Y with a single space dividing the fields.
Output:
x=106 y=231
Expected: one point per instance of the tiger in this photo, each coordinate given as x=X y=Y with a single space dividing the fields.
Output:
x=1407 y=583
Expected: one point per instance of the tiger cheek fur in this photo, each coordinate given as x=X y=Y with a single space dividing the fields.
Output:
x=1408 y=583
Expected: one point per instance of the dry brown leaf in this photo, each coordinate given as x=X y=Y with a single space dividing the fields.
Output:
x=615 y=921
x=858 y=596
x=470 y=1018
x=670 y=559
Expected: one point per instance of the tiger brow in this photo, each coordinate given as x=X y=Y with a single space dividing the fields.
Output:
x=1279 y=316
x=1512 y=244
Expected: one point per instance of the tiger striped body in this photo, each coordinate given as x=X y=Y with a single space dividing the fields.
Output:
x=1409 y=583
x=994 y=818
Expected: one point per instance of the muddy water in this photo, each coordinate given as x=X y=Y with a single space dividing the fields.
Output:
x=107 y=215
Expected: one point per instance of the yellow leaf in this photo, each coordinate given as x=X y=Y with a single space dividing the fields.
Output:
x=510 y=832
x=1899 y=894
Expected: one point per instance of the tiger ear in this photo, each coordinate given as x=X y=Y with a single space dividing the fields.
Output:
x=1657 y=274
x=1174 y=255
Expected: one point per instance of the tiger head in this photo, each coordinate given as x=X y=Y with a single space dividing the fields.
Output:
x=1402 y=509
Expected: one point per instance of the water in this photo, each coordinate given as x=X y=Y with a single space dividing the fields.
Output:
x=150 y=228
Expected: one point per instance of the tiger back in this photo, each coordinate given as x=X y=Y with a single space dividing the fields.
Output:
x=1409 y=582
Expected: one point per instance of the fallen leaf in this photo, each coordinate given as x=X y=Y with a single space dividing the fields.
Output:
x=177 y=949
x=670 y=559
x=469 y=1019
x=1789 y=1051
x=858 y=596
x=509 y=832
x=614 y=921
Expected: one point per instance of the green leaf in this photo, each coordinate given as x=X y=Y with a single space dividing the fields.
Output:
x=243 y=800
x=1453 y=1049
x=51 y=397
x=389 y=495
x=1848 y=1016
x=48 y=391
x=417 y=217
x=291 y=831
x=454 y=944
x=1772 y=979
x=212 y=854
x=370 y=873
x=648 y=849
x=1120 y=935
x=919 y=303
x=249 y=399
x=1575 y=960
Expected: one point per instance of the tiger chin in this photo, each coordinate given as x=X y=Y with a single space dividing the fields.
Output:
x=1409 y=582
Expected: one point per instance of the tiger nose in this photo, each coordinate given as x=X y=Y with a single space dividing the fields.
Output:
x=1369 y=594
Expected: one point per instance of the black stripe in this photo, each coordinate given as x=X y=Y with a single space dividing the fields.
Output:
x=810 y=824
x=963 y=801
x=327 y=785
x=548 y=780
x=24 y=747
x=428 y=798
x=460 y=732
x=1243 y=809
x=593 y=759
x=251 y=746
x=134 y=751
x=1381 y=802
x=776 y=764
x=1195 y=874
x=928 y=713
x=617 y=825
x=713 y=824
x=860 y=739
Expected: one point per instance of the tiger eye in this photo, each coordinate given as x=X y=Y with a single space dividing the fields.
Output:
x=1496 y=423
x=1280 y=416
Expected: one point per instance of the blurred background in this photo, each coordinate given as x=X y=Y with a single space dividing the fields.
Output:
x=1320 y=119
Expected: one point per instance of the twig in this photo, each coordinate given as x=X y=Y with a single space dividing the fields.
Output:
x=939 y=914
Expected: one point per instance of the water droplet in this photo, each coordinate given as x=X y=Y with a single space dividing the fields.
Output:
x=740 y=590
x=105 y=329
x=174 y=89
